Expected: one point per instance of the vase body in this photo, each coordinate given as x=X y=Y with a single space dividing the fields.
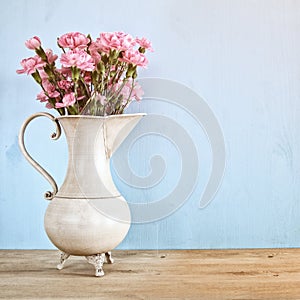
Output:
x=87 y=214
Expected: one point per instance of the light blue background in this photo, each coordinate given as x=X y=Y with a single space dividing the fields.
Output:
x=242 y=56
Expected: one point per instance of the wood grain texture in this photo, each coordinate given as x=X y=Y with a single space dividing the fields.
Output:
x=168 y=274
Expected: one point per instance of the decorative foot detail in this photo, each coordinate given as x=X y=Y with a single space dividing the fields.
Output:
x=108 y=257
x=97 y=261
x=63 y=257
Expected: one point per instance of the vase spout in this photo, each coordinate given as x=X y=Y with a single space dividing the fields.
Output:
x=118 y=128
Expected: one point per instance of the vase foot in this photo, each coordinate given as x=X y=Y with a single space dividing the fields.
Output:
x=97 y=261
x=63 y=257
x=109 y=258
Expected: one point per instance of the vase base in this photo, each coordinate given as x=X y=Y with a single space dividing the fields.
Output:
x=97 y=260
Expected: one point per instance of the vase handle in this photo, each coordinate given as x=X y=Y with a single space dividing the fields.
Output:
x=48 y=195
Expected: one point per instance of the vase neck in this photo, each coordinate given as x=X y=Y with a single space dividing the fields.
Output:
x=91 y=142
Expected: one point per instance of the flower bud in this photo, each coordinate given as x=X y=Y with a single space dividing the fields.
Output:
x=37 y=77
x=33 y=43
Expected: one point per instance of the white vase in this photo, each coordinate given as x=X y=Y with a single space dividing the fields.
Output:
x=87 y=215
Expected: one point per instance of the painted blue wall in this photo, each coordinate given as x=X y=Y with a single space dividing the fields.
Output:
x=241 y=56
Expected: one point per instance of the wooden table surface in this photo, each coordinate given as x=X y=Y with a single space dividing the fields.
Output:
x=164 y=274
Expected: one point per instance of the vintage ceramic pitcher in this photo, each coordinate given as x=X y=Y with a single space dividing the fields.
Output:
x=87 y=215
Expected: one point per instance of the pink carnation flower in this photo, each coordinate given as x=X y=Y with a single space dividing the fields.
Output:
x=73 y=40
x=65 y=85
x=94 y=49
x=144 y=43
x=137 y=92
x=33 y=43
x=119 y=53
x=41 y=96
x=128 y=92
x=68 y=100
x=50 y=89
x=115 y=40
x=87 y=77
x=78 y=58
x=135 y=57
x=66 y=72
x=49 y=105
x=50 y=56
x=127 y=41
x=31 y=64
x=43 y=74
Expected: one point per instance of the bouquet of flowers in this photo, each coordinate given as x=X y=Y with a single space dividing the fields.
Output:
x=96 y=77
